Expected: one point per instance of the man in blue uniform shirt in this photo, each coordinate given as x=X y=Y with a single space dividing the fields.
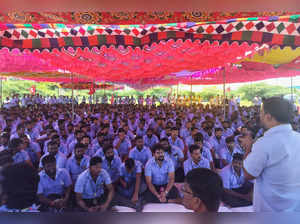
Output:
x=78 y=162
x=131 y=184
x=90 y=188
x=238 y=191
x=140 y=152
x=150 y=139
x=196 y=160
x=122 y=144
x=111 y=163
x=175 y=140
x=55 y=185
x=160 y=178
x=176 y=155
x=53 y=150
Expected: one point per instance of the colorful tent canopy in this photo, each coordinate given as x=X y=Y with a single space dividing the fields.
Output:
x=246 y=72
x=89 y=85
x=124 y=18
x=143 y=54
x=276 y=56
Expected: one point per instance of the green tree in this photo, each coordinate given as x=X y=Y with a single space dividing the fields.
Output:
x=248 y=92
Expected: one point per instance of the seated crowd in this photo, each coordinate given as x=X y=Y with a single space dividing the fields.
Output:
x=128 y=155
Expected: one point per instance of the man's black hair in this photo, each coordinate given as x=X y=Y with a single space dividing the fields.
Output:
x=230 y=139
x=95 y=160
x=107 y=147
x=207 y=186
x=48 y=159
x=194 y=147
x=122 y=130
x=129 y=163
x=79 y=146
x=138 y=137
x=14 y=143
x=280 y=109
x=238 y=157
x=20 y=184
x=157 y=147
x=218 y=129
x=198 y=137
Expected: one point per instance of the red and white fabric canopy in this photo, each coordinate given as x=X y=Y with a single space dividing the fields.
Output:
x=145 y=55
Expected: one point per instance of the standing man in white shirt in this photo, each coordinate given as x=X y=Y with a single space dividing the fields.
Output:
x=273 y=160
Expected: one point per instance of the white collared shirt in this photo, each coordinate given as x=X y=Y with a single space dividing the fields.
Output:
x=274 y=161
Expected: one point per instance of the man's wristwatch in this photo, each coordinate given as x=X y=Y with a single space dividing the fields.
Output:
x=166 y=192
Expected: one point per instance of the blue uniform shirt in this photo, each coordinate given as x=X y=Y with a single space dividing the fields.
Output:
x=217 y=145
x=230 y=178
x=175 y=155
x=60 y=160
x=76 y=169
x=112 y=168
x=124 y=147
x=226 y=155
x=90 y=189
x=49 y=186
x=100 y=153
x=130 y=179
x=20 y=157
x=142 y=156
x=32 y=151
x=150 y=142
x=178 y=142
x=159 y=175
x=189 y=165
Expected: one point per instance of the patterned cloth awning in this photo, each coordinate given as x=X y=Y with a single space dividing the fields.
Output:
x=124 y=18
x=281 y=31
x=143 y=54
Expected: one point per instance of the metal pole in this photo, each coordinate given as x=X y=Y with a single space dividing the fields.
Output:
x=292 y=97
x=1 y=91
x=177 y=98
x=191 y=89
x=224 y=95
x=72 y=97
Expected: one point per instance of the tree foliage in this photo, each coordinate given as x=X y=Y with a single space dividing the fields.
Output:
x=247 y=91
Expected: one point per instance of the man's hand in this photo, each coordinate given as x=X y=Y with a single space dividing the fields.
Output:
x=92 y=209
x=103 y=208
x=58 y=203
x=163 y=198
x=124 y=184
x=135 y=198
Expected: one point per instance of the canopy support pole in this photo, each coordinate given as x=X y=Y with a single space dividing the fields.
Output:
x=224 y=95
x=292 y=97
x=1 y=100
x=177 y=93
x=72 y=98
x=191 y=90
